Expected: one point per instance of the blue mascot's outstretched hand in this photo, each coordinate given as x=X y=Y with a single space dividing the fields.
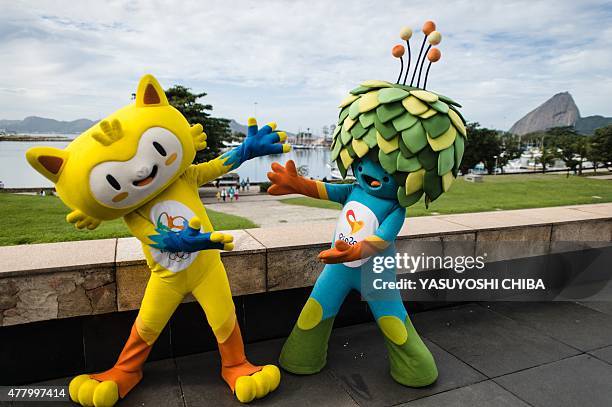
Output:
x=257 y=143
x=190 y=239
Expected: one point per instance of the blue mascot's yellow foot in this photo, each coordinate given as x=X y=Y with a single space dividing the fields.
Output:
x=91 y=393
x=258 y=384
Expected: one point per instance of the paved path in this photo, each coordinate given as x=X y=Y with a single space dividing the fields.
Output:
x=495 y=354
x=267 y=210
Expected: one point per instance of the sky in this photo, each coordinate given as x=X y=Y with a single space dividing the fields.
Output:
x=293 y=61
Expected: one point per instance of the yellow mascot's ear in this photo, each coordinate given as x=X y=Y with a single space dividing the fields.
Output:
x=150 y=93
x=49 y=161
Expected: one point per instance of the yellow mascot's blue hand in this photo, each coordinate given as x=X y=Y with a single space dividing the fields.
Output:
x=190 y=239
x=258 y=142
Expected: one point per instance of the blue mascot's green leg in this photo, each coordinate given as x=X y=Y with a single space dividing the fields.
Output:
x=305 y=351
x=410 y=361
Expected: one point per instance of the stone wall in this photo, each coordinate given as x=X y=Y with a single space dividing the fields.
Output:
x=57 y=280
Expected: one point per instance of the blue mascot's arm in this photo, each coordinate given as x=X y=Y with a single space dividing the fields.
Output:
x=392 y=224
x=338 y=192
x=257 y=143
x=190 y=239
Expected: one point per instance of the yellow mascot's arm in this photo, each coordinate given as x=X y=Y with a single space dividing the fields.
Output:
x=140 y=227
x=210 y=170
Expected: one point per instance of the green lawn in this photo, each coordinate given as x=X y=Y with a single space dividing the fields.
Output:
x=37 y=219
x=503 y=192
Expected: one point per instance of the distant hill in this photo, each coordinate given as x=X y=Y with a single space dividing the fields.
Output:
x=558 y=111
x=237 y=127
x=588 y=125
x=34 y=124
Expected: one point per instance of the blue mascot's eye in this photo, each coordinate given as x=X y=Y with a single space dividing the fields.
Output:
x=159 y=148
x=386 y=179
x=359 y=168
x=113 y=182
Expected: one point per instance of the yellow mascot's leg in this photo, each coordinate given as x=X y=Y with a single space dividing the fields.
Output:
x=244 y=379
x=104 y=389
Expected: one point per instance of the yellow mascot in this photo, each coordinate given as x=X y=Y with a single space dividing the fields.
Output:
x=137 y=164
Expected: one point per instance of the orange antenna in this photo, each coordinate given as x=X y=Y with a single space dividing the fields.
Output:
x=405 y=34
x=428 y=27
x=433 y=38
x=433 y=56
x=398 y=52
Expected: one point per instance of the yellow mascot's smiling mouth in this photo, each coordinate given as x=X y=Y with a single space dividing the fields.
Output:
x=146 y=180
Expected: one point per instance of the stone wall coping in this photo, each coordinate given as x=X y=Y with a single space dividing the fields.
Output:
x=64 y=256
x=53 y=257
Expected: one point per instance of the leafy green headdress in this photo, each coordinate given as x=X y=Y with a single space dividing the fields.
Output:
x=417 y=135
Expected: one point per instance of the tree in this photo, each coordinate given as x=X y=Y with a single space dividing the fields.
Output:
x=567 y=150
x=600 y=151
x=511 y=149
x=217 y=129
x=549 y=153
x=482 y=144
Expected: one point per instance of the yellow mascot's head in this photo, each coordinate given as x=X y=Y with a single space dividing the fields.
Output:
x=123 y=161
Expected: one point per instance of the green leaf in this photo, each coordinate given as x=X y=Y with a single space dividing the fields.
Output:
x=405 y=150
x=389 y=111
x=448 y=100
x=415 y=138
x=388 y=161
x=458 y=150
x=345 y=136
x=385 y=129
x=341 y=168
x=439 y=106
x=432 y=185
x=359 y=90
x=408 y=164
x=351 y=150
x=367 y=119
x=408 y=200
x=404 y=121
x=446 y=160
x=436 y=125
x=354 y=110
x=337 y=131
x=343 y=115
x=389 y=95
x=370 y=138
x=336 y=149
x=357 y=131
x=428 y=158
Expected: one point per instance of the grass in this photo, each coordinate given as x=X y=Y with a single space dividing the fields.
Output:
x=37 y=219
x=503 y=192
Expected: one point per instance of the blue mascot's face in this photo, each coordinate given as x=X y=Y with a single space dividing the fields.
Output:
x=374 y=180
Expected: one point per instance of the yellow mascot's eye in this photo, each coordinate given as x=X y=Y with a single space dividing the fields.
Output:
x=113 y=182
x=159 y=148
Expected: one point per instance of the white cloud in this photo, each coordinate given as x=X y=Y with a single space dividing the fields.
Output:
x=297 y=59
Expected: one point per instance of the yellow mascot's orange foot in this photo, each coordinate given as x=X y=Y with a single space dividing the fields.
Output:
x=104 y=389
x=251 y=382
x=89 y=392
